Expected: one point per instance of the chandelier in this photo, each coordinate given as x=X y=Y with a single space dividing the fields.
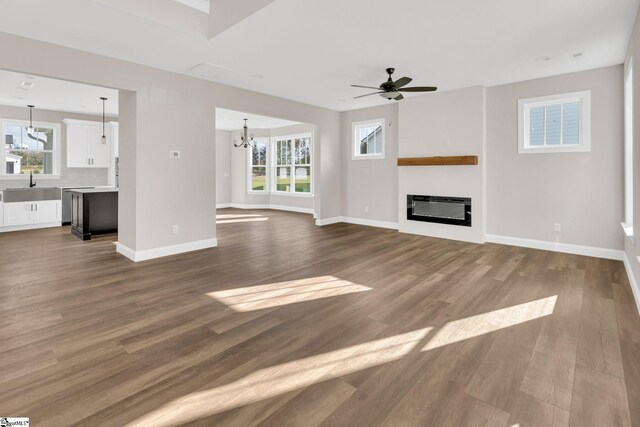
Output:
x=245 y=138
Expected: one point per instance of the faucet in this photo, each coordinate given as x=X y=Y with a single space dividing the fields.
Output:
x=31 y=183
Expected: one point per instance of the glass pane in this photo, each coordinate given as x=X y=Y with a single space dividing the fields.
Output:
x=16 y=137
x=370 y=138
x=283 y=178
x=303 y=179
x=25 y=161
x=259 y=154
x=571 y=123
x=259 y=178
x=283 y=152
x=553 y=124
x=536 y=126
x=303 y=151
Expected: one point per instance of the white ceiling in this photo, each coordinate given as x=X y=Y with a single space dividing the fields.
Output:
x=201 y=5
x=19 y=90
x=311 y=51
x=234 y=120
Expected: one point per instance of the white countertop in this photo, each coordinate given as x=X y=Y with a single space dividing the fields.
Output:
x=94 y=190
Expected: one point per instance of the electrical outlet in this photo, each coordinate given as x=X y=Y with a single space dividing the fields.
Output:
x=557 y=227
x=366 y=208
x=174 y=154
x=176 y=229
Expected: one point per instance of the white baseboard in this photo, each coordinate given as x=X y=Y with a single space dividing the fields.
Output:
x=265 y=206
x=29 y=227
x=147 y=254
x=329 y=221
x=358 y=221
x=632 y=280
x=614 y=254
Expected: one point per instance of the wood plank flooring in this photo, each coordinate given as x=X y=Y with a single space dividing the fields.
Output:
x=289 y=324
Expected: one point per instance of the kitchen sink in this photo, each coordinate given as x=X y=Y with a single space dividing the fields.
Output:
x=31 y=194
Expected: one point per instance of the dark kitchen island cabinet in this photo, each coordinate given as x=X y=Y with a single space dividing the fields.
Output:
x=94 y=211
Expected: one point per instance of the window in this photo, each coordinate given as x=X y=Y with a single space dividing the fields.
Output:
x=628 y=149
x=557 y=123
x=24 y=153
x=292 y=164
x=368 y=139
x=258 y=166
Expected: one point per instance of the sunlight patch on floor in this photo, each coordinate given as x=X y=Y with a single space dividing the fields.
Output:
x=280 y=379
x=473 y=326
x=283 y=293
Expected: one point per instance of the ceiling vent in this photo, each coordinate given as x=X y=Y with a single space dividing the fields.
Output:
x=208 y=71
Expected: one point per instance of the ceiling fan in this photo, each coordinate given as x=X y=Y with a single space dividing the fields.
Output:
x=391 y=90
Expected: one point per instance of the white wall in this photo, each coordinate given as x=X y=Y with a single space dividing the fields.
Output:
x=443 y=124
x=528 y=193
x=174 y=112
x=371 y=185
x=223 y=167
x=68 y=176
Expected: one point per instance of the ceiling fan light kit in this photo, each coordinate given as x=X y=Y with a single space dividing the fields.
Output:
x=391 y=90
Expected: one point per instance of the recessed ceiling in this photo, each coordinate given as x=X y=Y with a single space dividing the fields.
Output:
x=234 y=120
x=19 y=90
x=311 y=51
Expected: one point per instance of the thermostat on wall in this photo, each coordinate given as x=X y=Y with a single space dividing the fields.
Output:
x=174 y=154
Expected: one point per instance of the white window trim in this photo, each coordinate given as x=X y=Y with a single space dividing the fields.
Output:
x=273 y=165
x=56 y=149
x=355 y=142
x=267 y=168
x=524 y=105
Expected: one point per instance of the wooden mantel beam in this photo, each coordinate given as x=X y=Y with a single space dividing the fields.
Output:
x=438 y=161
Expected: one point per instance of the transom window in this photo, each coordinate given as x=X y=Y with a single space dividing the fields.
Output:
x=25 y=153
x=554 y=123
x=368 y=139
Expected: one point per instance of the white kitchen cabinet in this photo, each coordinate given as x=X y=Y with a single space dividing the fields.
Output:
x=84 y=145
x=27 y=213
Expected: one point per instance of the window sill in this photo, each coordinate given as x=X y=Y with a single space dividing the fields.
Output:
x=628 y=230
x=284 y=193
x=22 y=177
x=560 y=149
x=278 y=193
x=372 y=157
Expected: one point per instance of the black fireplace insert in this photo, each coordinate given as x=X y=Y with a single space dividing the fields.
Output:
x=439 y=209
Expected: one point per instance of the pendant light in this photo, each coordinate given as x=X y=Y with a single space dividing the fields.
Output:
x=247 y=141
x=104 y=137
x=30 y=129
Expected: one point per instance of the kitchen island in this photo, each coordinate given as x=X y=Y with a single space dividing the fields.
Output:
x=93 y=211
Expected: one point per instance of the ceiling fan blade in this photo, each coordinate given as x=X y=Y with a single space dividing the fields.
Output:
x=418 y=89
x=399 y=97
x=403 y=81
x=368 y=94
x=365 y=87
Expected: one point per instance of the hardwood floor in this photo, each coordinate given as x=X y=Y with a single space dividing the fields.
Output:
x=286 y=323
